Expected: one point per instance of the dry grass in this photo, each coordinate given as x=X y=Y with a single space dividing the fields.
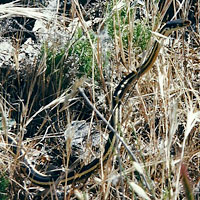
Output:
x=159 y=118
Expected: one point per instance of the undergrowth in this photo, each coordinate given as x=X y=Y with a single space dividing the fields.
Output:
x=4 y=183
x=159 y=119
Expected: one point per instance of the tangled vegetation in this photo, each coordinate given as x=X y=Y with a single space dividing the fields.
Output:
x=39 y=102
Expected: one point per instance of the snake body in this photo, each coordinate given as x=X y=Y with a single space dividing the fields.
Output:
x=123 y=87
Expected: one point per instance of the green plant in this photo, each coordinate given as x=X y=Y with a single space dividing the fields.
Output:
x=82 y=53
x=4 y=183
x=140 y=35
x=56 y=68
x=76 y=57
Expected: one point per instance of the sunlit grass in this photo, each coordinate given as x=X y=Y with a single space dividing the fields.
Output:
x=159 y=118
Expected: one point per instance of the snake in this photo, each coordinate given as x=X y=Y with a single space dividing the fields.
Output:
x=72 y=177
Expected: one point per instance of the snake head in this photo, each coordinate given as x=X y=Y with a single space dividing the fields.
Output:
x=174 y=25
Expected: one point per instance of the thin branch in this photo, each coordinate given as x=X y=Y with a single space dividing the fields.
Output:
x=114 y=131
